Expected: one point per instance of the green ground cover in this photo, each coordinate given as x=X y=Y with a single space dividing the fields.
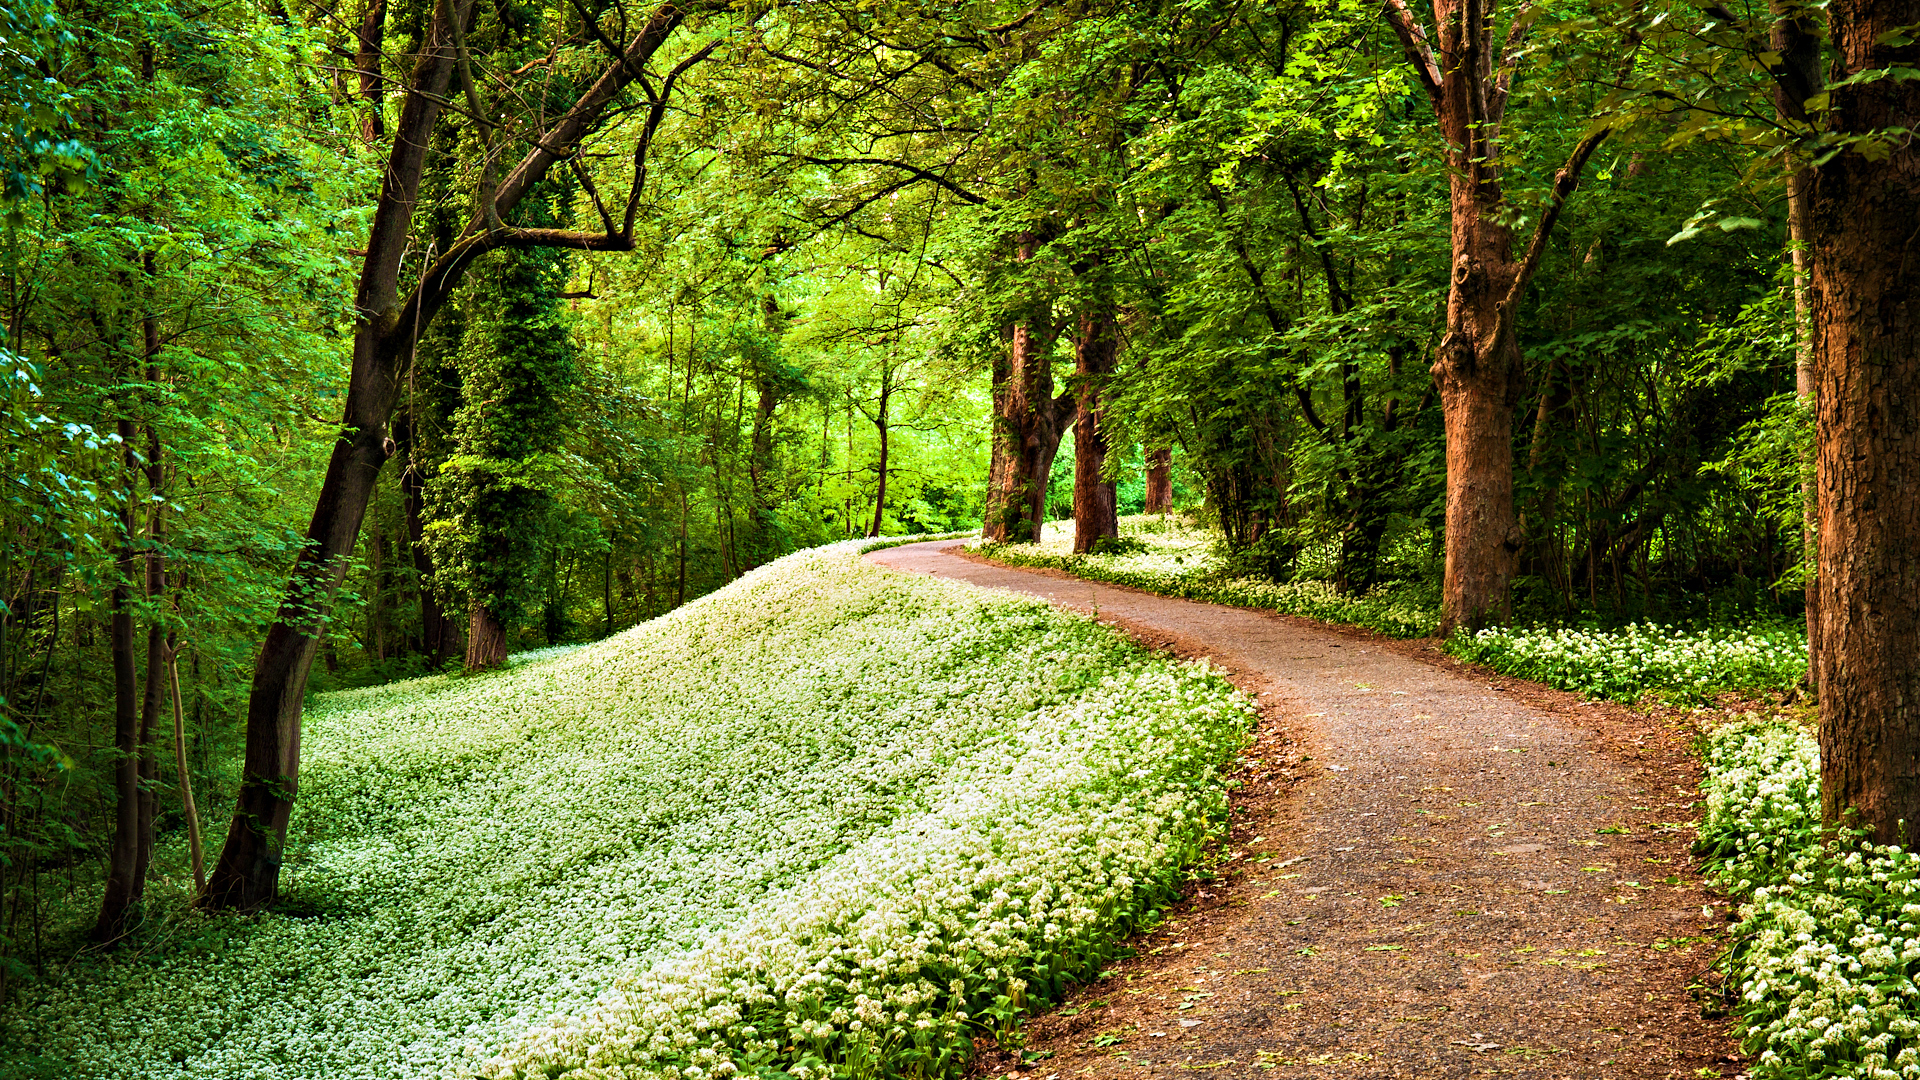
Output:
x=1166 y=555
x=1627 y=663
x=828 y=820
x=1820 y=970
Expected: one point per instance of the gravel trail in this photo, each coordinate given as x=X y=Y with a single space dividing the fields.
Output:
x=1433 y=872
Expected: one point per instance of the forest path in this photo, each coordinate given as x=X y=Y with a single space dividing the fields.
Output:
x=1430 y=874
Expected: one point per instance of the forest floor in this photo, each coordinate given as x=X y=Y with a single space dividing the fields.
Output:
x=1433 y=872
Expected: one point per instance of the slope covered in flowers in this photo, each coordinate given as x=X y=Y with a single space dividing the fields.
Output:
x=1821 y=968
x=829 y=818
x=1161 y=554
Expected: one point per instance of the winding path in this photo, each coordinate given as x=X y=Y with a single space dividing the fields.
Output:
x=1431 y=874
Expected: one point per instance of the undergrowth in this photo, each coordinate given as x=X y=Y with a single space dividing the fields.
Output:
x=827 y=821
x=1630 y=662
x=1159 y=555
x=1821 y=966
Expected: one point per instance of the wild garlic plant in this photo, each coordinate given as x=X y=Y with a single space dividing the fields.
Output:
x=1627 y=663
x=830 y=820
x=1821 y=968
x=1159 y=555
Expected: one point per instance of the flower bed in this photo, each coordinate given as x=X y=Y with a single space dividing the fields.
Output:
x=1173 y=560
x=828 y=820
x=1823 y=958
x=1624 y=664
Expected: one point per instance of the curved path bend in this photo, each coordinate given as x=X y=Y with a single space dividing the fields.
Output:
x=1430 y=874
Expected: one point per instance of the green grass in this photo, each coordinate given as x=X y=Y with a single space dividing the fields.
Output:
x=828 y=820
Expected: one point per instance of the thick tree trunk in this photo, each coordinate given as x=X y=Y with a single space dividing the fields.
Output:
x=1866 y=325
x=1159 y=481
x=486 y=639
x=124 y=885
x=1476 y=366
x=1027 y=424
x=1095 y=509
x=247 y=874
x=1474 y=372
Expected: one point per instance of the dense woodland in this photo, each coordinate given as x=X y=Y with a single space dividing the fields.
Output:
x=352 y=341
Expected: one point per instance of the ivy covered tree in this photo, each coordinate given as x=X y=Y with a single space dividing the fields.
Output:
x=492 y=501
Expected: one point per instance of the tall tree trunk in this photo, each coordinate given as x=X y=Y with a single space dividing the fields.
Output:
x=1796 y=39
x=153 y=698
x=1476 y=367
x=1027 y=425
x=880 y=428
x=124 y=887
x=1866 y=325
x=1159 y=481
x=248 y=873
x=371 y=39
x=1095 y=507
x=760 y=459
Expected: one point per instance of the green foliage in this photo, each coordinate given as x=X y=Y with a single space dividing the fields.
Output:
x=493 y=501
x=1635 y=660
x=37 y=143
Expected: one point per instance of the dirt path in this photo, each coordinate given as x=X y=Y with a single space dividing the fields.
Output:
x=1432 y=873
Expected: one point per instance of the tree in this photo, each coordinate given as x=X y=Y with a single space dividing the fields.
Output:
x=247 y=874
x=1863 y=203
x=1477 y=363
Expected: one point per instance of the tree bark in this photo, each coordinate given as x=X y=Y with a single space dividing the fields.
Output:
x=124 y=886
x=486 y=638
x=1866 y=326
x=153 y=697
x=1476 y=366
x=1159 y=481
x=1095 y=507
x=371 y=40
x=880 y=428
x=1027 y=424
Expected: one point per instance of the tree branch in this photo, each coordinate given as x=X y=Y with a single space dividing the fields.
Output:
x=918 y=173
x=1413 y=38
